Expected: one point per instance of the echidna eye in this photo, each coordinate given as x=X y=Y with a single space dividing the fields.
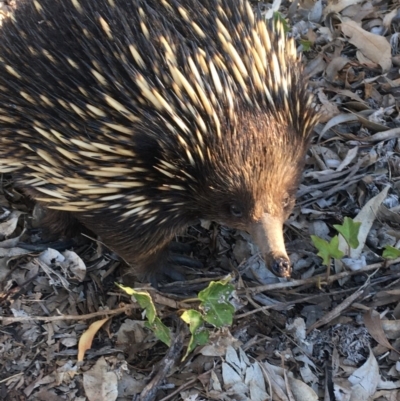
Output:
x=236 y=211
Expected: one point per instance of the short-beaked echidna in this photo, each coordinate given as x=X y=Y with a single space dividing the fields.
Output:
x=139 y=117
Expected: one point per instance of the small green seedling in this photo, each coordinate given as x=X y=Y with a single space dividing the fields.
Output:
x=199 y=333
x=349 y=230
x=215 y=305
x=154 y=323
x=328 y=250
x=390 y=252
x=214 y=308
x=307 y=44
x=278 y=17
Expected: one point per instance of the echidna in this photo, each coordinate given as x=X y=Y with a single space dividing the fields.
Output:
x=139 y=117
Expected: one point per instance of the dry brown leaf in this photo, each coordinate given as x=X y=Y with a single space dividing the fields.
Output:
x=340 y=119
x=85 y=342
x=391 y=328
x=335 y=6
x=334 y=67
x=387 y=20
x=386 y=297
x=366 y=217
x=364 y=381
x=373 y=323
x=328 y=109
x=100 y=383
x=375 y=47
x=8 y=226
x=385 y=136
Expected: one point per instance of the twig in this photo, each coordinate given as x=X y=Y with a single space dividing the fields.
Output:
x=172 y=356
x=317 y=279
x=188 y=384
x=9 y=320
x=11 y=377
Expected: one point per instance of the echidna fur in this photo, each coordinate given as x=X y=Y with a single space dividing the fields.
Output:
x=140 y=117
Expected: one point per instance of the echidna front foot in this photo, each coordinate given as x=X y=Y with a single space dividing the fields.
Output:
x=177 y=257
x=167 y=264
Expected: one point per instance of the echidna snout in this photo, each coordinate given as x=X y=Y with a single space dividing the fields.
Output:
x=267 y=233
x=281 y=267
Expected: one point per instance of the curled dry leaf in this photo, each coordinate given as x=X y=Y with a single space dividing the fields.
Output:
x=74 y=264
x=85 y=342
x=301 y=391
x=8 y=226
x=341 y=118
x=365 y=379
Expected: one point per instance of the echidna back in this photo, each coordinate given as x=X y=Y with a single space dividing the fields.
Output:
x=152 y=114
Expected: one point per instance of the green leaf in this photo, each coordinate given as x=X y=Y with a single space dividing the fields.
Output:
x=349 y=230
x=193 y=318
x=306 y=45
x=278 y=17
x=154 y=323
x=143 y=298
x=160 y=330
x=217 y=309
x=196 y=326
x=327 y=250
x=390 y=252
